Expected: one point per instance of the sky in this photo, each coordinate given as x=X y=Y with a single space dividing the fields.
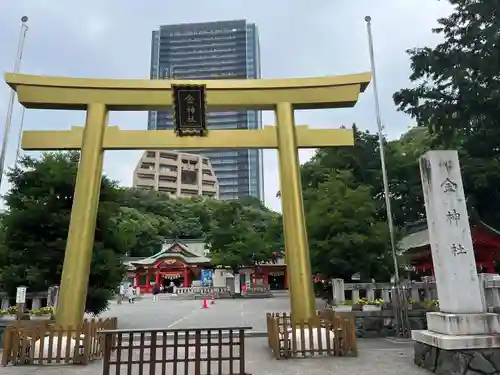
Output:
x=298 y=38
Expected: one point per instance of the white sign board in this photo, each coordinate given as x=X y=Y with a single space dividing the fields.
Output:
x=21 y=294
x=237 y=283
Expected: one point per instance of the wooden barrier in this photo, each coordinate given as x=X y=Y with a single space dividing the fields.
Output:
x=44 y=342
x=329 y=334
x=175 y=351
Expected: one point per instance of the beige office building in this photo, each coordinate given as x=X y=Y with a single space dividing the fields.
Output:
x=177 y=174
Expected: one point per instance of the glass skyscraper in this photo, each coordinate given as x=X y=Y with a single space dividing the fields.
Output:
x=214 y=50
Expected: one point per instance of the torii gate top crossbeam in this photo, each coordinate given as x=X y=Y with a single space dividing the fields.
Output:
x=139 y=95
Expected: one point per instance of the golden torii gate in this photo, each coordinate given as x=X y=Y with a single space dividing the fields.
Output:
x=98 y=96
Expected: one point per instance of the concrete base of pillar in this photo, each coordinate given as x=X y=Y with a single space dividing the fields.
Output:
x=463 y=324
x=455 y=342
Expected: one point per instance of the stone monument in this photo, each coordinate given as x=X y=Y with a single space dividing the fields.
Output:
x=462 y=338
x=338 y=291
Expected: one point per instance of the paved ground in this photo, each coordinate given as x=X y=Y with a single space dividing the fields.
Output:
x=145 y=314
x=376 y=356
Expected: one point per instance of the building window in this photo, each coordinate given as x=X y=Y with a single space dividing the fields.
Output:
x=189 y=177
x=165 y=155
x=189 y=193
x=146 y=176
x=167 y=178
x=167 y=168
x=167 y=189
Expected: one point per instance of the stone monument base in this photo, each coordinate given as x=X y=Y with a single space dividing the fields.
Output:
x=463 y=324
x=457 y=355
x=457 y=362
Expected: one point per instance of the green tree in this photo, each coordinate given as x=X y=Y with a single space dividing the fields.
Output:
x=404 y=175
x=456 y=91
x=178 y=218
x=363 y=160
x=345 y=234
x=137 y=231
x=35 y=229
x=240 y=236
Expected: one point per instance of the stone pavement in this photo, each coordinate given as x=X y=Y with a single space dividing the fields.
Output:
x=145 y=314
x=376 y=356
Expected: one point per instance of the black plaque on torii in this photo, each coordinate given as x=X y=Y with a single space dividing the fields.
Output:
x=189 y=110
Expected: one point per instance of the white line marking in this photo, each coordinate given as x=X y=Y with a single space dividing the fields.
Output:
x=181 y=319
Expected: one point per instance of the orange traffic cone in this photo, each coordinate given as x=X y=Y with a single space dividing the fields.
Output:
x=205 y=302
x=213 y=300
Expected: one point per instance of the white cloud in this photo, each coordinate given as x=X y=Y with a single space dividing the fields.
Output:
x=298 y=38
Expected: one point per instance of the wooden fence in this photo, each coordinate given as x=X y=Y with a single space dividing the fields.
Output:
x=175 y=351
x=329 y=333
x=39 y=342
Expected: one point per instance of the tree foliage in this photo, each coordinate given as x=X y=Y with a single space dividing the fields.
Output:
x=360 y=184
x=36 y=226
x=345 y=234
x=405 y=185
x=456 y=95
x=244 y=234
x=363 y=161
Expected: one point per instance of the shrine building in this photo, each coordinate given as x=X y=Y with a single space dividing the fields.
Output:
x=184 y=262
x=416 y=246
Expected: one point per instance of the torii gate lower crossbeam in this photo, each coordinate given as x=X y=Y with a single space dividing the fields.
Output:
x=98 y=96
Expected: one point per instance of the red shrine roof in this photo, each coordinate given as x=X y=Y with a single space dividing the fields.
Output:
x=417 y=236
x=188 y=251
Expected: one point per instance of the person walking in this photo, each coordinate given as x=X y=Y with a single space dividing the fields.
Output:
x=130 y=294
x=156 y=291
x=121 y=294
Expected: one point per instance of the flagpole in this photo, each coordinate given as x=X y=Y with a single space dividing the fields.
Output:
x=19 y=137
x=10 y=108
x=382 y=151
x=400 y=300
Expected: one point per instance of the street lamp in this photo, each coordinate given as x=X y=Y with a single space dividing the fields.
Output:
x=10 y=108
